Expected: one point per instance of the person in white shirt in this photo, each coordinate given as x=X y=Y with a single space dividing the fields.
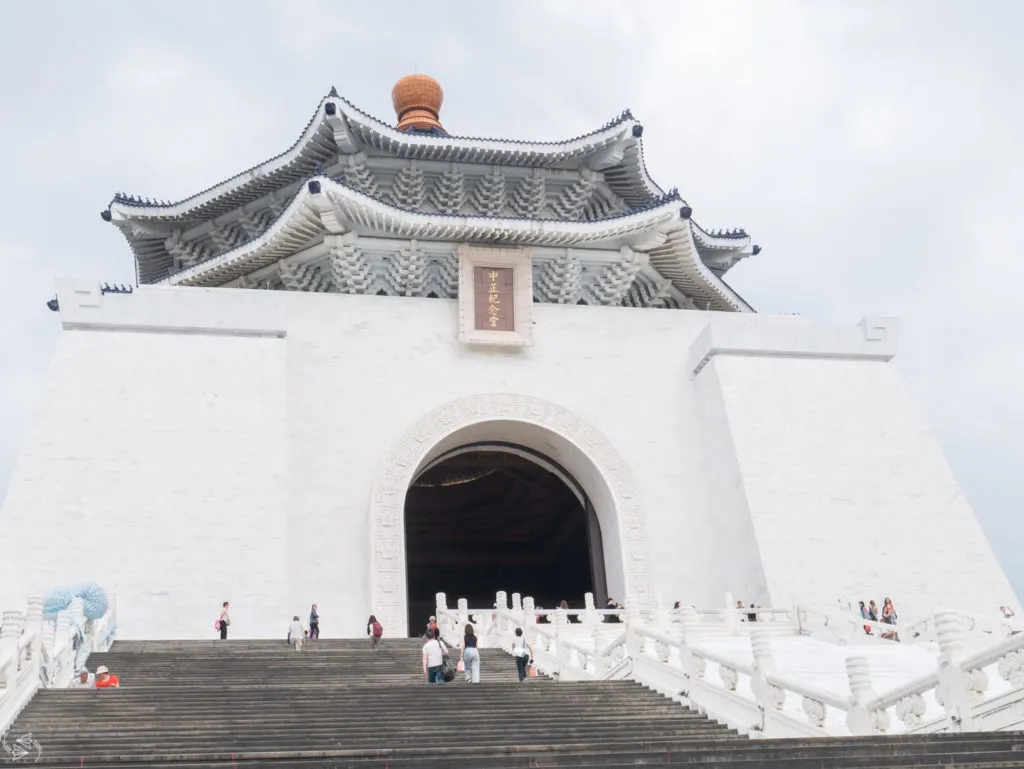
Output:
x=522 y=652
x=434 y=652
x=85 y=680
x=295 y=633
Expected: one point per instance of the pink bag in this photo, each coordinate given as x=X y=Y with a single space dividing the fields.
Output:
x=216 y=624
x=461 y=667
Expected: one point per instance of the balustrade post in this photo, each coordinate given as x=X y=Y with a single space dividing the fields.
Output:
x=10 y=632
x=690 y=625
x=635 y=645
x=690 y=631
x=34 y=625
x=859 y=719
x=501 y=601
x=955 y=685
x=590 y=615
x=517 y=602
x=463 y=619
x=11 y=629
x=529 y=618
x=598 y=635
x=731 y=616
x=662 y=614
x=49 y=636
x=769 y=698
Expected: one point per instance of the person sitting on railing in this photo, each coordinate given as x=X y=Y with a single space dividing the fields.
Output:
x=612 y=606
x=752 y=615
x=564 y=618
x=873 y=611
x=104 y=680
x=523 y=653
x=889 y=618
x=864 y=615
x=85 y=680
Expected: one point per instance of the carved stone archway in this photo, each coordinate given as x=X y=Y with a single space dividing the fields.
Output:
x=608 y=480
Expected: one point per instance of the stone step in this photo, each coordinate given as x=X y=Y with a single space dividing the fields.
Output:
x=200 y=705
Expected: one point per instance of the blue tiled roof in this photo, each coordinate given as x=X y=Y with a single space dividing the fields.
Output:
x=142 y=202
x=434 y=131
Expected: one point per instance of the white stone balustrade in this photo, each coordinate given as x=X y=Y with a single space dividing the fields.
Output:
x=697 y=659
x=38 y=652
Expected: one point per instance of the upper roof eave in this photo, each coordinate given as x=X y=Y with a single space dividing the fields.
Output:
x=383 y=137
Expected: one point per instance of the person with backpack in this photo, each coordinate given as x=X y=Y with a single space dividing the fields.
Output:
x=223 y=621
x=375 y=631
x=522 y=652
x=435 y=654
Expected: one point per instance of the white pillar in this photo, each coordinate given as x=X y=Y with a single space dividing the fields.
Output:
x=34 y=625
x=953 y=691
x=529 y=616
x=859 y=719
x=730 y=615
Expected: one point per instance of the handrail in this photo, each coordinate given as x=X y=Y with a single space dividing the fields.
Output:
x=994 y=653
x=722 y=661
x=790 y=684
x=921 y=684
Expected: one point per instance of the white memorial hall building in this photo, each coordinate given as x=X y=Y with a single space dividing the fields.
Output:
x=393 y=361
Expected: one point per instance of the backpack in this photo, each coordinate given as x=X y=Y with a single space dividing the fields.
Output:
x=378 y=630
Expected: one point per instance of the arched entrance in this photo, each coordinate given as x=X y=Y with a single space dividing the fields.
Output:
x=495 y=516
x=532 y=424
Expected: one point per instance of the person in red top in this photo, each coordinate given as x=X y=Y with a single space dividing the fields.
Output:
x=104 y=680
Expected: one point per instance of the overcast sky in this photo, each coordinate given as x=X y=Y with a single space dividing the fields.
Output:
x=873 y=149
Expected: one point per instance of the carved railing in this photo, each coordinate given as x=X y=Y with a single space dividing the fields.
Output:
x=754 y=698
x=567 y=644
x=687 y=656
x=46 y=652
x=846 y=626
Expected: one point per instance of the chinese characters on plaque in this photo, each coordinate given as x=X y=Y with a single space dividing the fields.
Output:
x=494 y=298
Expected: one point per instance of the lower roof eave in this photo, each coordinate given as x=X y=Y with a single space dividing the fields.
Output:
x=324 y=206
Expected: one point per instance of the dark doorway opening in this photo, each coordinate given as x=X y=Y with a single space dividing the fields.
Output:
x=492 y=517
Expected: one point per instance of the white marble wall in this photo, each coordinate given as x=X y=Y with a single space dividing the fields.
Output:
x=198 y=445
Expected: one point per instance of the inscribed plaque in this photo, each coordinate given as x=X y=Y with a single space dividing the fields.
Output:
x=494 y=298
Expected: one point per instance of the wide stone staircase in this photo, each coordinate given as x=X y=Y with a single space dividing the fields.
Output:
x=339 y=704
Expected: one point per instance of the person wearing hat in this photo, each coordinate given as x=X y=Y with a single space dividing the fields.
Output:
x=104 y=680
x=84 y=680
x=431 y=627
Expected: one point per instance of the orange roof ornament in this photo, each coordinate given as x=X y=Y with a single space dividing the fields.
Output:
x=417 y=100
